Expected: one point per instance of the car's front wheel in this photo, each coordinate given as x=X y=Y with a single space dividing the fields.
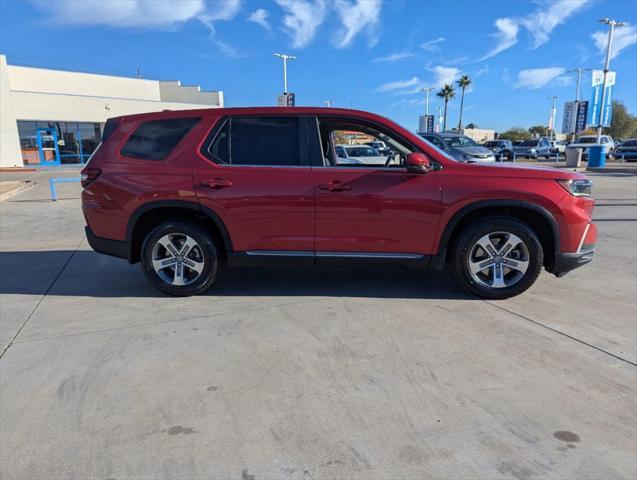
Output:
x=180 y=258
x=497 y=258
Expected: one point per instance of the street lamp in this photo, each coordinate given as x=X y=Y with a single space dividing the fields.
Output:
x=552 y=118
x=427 y=90
x=285 y=68
x=579 y=71
x=612 y=24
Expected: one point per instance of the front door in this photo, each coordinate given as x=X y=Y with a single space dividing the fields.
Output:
x=254 y=173
x=373 y=210
x=48 y=148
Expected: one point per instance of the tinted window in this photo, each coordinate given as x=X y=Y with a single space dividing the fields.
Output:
x=155 y=139
x=264 y=141
x=219 y=148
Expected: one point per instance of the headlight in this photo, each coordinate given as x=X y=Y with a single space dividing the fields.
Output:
x=577 y=188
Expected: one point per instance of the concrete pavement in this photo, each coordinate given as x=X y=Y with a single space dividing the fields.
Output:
x=300 y=374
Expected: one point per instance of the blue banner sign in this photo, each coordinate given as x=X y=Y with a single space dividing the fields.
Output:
x=580 y=118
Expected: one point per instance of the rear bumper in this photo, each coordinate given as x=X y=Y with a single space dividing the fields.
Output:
x=114 y=248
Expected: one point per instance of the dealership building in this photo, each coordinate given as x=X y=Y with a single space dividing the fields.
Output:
x=54 y=117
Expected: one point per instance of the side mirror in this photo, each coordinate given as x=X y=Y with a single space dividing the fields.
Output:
x=417 y=162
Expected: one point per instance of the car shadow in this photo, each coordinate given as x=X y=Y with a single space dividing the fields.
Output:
x=86 y=273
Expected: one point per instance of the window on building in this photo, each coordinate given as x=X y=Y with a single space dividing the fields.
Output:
x=59 y=142
x=155 y=139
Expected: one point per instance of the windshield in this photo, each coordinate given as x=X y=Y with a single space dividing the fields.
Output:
x=361 y=152
x=493 y=144
x=586 y=140
x=529 y=143
x=459 y=141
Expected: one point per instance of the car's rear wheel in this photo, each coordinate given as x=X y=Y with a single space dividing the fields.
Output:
x=497 y=258
x=180 y=259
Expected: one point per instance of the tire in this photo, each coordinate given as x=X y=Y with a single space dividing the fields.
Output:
x=498 y=231
x=182 y=275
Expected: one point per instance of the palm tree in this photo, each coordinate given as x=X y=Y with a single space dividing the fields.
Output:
x=447 y=92
x=463 y=83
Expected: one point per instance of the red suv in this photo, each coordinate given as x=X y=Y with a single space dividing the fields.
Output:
x=186 y=192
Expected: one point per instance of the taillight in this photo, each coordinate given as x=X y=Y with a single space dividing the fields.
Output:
x=88 y=175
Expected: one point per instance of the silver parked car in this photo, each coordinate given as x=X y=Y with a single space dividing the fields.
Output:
x=460 y=147
x=534 y=148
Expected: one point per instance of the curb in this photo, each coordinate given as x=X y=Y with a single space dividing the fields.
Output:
x=12 y=193
x=629 y=171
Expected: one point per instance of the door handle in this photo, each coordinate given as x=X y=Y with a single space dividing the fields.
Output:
x=335 y=186
x=217 y=183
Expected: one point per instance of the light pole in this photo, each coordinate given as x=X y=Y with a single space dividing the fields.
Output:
x=285 y=68
x=612 y=24
x=552 y=118
x=427 y=90
x=579 y=71
x=328 y=103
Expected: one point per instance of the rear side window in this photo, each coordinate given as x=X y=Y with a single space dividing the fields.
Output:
x=264 y=141
x=155 y=139
x=109 y=128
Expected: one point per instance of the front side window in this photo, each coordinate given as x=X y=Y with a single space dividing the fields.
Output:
x=348 y=143
x=155 y=139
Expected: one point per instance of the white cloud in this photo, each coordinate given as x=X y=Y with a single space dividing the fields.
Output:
x=622 y=38
x=260 y=17
x=432 y=45
x=400 y=84
x=122 y=13
x=483 y=71
x=506 y=37
x=302 y=19
x=444 y=75
x=539 y=23
x=535 y=78
x=542 y=22
x=394 y=57
x=356 y=16
x=142 y=14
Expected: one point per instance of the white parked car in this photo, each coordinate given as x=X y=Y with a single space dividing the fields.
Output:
x=558 y=146
x=586 y=141
x=359 y=155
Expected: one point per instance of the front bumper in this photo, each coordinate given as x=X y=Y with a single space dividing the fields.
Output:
x=565 y=262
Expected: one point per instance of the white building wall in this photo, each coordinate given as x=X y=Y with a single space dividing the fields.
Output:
x=10 y=154
x=41 y=94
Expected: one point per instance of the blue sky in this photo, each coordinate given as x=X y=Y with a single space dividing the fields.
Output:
x=368 y=54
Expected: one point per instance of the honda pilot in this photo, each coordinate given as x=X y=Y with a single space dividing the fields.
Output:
x=187 y=193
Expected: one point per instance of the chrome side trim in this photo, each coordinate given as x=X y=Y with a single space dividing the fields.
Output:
x=287 y=253
x=279 y=253
x=581 y=242
x=404 y=256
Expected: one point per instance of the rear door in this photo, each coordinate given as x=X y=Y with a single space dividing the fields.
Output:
x=254 y=173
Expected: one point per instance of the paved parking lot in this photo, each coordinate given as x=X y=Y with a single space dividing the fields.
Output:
x=336 y=373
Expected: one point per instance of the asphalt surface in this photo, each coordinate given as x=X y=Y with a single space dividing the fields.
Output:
x=303 y=374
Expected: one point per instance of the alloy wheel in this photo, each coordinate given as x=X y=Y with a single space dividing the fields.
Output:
x=498 y=260
x=177 y=259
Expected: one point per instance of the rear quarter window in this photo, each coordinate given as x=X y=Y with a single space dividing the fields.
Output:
x=155 y=139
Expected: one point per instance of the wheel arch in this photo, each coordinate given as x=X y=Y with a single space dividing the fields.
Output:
x=152 y=214
x=537 y=217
